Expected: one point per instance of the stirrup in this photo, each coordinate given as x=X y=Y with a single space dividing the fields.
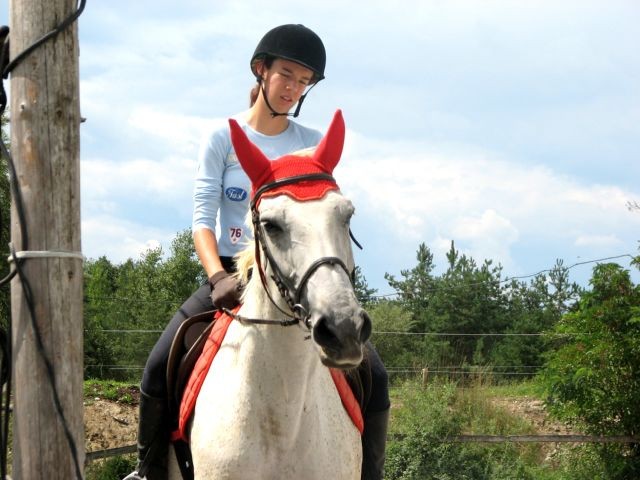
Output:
x=134 y=476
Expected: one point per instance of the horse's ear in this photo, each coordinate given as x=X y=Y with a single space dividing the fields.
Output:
x=251 y=158
x=330 y=147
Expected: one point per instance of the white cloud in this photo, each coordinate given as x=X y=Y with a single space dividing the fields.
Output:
x=180 y=133
x=119 y=239
x=597 y=241
x=162 y=181
x=488 y=236
x=486 y=204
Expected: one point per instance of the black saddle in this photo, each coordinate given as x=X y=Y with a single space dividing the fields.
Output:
x=185 y=349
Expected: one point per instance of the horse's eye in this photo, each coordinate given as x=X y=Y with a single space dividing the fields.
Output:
x=271 y=228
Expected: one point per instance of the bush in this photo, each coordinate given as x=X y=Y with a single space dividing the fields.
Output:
x=417 y=450
x=592 y=377
x=397 y=351
x=111 y=469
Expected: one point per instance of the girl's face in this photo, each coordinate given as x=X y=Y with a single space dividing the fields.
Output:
x=285 y=82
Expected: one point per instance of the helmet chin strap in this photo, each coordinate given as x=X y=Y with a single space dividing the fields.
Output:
x=278 y=114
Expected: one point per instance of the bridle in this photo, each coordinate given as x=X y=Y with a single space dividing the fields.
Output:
x=290 y=293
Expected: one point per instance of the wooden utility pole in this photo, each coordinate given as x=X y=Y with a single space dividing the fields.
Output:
x=45 y=121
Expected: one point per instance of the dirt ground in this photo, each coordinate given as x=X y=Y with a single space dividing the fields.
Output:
x=109 y=424
x=533 y=411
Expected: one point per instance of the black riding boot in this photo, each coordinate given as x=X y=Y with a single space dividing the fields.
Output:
x=374 y=440
x=153 y=439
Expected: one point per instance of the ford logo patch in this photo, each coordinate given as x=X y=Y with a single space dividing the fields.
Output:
x=236 y=194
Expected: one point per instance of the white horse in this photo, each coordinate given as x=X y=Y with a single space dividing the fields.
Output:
x=268 y=408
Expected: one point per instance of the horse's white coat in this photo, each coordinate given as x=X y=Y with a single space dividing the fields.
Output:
x=268 y=408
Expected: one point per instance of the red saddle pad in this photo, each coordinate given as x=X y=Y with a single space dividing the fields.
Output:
x=201 y=368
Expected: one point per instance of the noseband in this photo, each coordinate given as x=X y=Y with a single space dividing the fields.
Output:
x=289 y=292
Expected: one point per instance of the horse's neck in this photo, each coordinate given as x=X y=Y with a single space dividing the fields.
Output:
x=285 y=351
x=266 y=371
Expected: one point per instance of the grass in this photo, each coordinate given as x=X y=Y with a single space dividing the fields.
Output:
x=527 y=388
x=110 y=469
x=112 y=390
x=422 y=416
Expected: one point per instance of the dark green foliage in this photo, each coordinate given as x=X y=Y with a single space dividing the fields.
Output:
x=421 y=456
x=467 y=310
x=364 y=294
x=111 y=469
x=417 y=288
x=593 y=372
x=469 y=301
x=398 y=352
x=532 y=309
x=417 y=451
x=100 y=288
x=140 y=295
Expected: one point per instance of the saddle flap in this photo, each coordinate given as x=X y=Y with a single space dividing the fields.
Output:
x=185 y=349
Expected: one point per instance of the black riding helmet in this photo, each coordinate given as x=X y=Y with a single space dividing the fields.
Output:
x=296 y=43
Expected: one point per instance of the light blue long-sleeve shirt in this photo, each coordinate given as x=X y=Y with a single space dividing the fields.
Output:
x=222 y=188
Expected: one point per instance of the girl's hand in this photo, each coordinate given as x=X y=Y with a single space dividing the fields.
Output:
x=225 y=290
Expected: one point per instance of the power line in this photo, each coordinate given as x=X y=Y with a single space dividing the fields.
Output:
x=467 y=367
x=458 y=372
x=442 y=334
x=516 y=277
x=434 y=334
x=129 y=331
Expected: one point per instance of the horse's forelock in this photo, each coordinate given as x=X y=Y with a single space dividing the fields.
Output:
x=305 y=152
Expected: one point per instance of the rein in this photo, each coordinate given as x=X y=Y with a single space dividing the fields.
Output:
x=298 y=314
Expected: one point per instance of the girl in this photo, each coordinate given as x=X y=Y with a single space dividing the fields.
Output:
x=287 y=63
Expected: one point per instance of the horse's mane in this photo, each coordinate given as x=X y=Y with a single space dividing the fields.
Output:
x=245 y=261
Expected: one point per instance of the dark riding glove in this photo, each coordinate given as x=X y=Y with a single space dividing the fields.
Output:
x=225 y=290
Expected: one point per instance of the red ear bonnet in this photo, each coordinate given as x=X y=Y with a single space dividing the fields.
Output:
x=262 y=171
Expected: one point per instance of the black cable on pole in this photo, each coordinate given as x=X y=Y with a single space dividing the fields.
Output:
x=6 y=67
x=48 y=36
x=28 y=296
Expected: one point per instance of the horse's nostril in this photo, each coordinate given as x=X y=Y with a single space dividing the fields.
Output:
x=324 y=335
x=365 y=331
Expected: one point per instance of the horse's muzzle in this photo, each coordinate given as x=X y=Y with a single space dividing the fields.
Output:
x=341 y=341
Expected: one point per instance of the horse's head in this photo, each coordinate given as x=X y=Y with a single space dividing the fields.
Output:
x=301 y=223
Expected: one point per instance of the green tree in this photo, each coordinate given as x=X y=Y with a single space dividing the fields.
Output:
x=128 y=305
x=593 y=374
x=182 y=273
x=465 y=301
x=469 y=301
x=417 y=288
x=396 y=346
x=365 y=295
x=531 y=309
x=469 y=311
x=100 y=278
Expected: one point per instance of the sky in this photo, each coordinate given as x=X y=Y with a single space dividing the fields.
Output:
x=511 y=128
